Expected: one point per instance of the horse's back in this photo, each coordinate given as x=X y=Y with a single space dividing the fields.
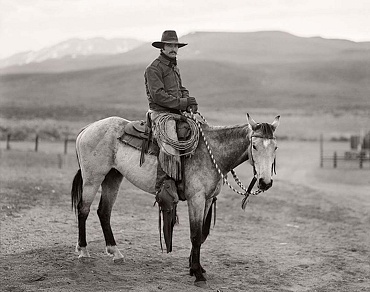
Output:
x=96 y=144
x=112 y=126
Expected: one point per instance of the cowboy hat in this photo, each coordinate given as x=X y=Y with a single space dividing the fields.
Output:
x=168 y=37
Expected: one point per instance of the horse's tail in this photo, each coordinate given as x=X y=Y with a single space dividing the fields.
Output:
x=76 y=191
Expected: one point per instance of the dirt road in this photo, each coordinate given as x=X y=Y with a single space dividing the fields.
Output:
x=310 y=232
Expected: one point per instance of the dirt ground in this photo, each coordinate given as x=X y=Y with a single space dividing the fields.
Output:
x=310 y=232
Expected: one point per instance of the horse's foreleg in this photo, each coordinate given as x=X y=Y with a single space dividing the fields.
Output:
x=110 y=187
x=83 y=209
x=196 y=206
x=206 y=226
x=207 y=219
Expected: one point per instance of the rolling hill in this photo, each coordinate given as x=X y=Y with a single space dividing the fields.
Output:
x=239 y=48
x=269 y=70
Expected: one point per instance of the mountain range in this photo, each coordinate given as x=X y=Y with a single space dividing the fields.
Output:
x=73 y=48
x=244 y=48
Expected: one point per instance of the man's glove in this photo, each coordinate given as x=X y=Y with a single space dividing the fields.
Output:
x=192 y=105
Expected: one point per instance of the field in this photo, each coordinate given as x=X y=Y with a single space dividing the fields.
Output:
x=308 y=233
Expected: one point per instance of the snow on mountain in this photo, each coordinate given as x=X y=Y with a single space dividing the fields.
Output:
x=73 y=48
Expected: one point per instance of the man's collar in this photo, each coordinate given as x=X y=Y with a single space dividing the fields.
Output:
x=166 y=61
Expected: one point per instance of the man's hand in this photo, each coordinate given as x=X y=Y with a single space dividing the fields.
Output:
x=193 y=108
x=192 y=105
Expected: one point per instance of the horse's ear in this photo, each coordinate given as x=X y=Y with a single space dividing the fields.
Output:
x=276 y=122
x=252 y=124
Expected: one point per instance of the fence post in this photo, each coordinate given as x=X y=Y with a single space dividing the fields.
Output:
x=335 y=160
x=361 y=159
x=65 y=145
x=60 y=161
x=37 y=143
x=8 y=141
x=321 y=151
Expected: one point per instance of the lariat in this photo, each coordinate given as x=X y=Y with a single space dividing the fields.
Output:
x=186 y=147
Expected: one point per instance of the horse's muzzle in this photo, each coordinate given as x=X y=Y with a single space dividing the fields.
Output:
x=263 y=186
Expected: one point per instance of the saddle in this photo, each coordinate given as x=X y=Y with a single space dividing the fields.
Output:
x=138 y=129
x=138 y=134
x=142 y=129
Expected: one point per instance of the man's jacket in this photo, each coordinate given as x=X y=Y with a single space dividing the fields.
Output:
x=164 y=87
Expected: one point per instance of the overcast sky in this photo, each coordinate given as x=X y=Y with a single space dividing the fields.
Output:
x=34 y=24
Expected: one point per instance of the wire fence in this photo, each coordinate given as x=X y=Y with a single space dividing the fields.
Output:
x=64 y=153
x=344 y=157
x=345 y=160
x=60 y=154
x=9 y=143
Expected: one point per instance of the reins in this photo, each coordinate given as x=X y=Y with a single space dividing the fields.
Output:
x=247 y=192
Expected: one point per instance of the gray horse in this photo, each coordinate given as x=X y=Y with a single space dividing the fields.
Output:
x=104 y=161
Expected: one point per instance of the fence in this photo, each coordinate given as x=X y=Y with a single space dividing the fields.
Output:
x=360 y=158
x=66 y=141
x=55 y=154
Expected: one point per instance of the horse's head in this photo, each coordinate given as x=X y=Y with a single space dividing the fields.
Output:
x=262 y=151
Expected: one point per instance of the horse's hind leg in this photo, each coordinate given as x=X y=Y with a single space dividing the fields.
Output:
x=110 y=187
x=90 y=188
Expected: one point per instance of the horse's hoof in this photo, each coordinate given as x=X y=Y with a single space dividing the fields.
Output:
x=192 y=273
x=84 y=255
x=201 y=283
x=82 y=252
x=83 y=259
x=119 y=261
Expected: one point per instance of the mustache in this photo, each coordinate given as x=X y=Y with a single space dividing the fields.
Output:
x=173 y=52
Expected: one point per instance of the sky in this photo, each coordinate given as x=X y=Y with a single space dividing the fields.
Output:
x=34 y=24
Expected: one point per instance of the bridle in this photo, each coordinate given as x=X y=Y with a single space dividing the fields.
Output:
x=247 y=192
x=250 y=153
x=252 y=162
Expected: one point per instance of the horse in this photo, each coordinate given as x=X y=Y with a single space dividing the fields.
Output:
x=104 y=161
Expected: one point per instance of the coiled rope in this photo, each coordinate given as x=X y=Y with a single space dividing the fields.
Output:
x=186 y=147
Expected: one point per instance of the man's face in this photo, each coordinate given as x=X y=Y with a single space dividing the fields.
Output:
x=170 y=50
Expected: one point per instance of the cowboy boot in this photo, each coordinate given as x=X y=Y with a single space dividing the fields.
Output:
x=167 y=200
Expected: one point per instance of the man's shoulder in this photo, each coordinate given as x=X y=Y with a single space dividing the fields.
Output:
x=155 y=63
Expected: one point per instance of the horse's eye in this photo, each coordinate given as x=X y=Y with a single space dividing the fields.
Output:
x=254 y=147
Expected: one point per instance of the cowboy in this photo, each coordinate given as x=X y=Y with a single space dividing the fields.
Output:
x=167 y=95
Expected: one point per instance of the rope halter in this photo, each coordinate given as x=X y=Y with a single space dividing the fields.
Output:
x=247 y=192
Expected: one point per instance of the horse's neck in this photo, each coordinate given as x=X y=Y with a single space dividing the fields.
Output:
x=229 y=145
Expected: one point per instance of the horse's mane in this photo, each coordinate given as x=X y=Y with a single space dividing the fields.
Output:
x=233 y=131
x=264 y=129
